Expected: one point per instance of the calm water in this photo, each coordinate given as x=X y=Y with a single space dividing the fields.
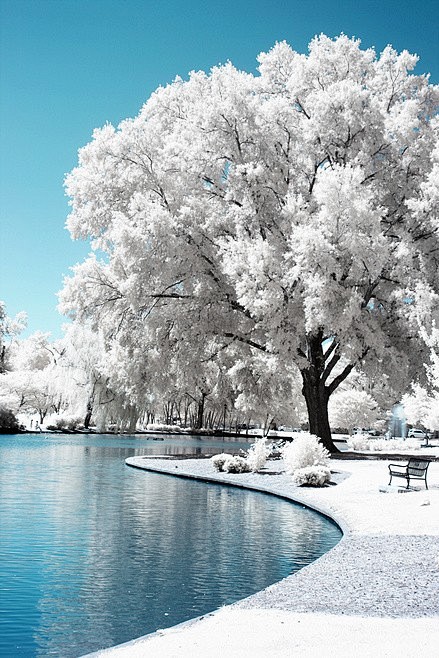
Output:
x=94 y=553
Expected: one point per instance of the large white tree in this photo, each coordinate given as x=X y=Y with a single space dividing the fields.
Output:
x=289 y=213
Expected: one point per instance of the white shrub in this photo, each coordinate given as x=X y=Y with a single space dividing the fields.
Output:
x=304 y=450
x=258 y=454
x=218 y=461
x=313 y=476
x=65 y=422
x=236 y=464
x=363 y=442
x=230 y=463
x=358 y=442
x=159 y=427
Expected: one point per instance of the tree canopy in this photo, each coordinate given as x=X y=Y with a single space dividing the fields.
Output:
x=284 y=222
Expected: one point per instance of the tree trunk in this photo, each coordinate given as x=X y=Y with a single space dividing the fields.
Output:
x=132 y=419
x=200 y=412
x=316 y=396
x=88 y=415
x=316 y=393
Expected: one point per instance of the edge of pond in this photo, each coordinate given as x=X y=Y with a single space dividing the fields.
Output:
x=212 y=479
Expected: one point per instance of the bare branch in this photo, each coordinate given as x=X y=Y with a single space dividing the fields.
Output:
x=247 y=341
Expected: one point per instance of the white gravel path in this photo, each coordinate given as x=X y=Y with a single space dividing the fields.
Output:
x=375 y=594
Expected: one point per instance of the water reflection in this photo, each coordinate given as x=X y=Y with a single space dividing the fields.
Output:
x=93 y=553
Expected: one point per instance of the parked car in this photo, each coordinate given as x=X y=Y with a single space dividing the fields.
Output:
x=416 y=433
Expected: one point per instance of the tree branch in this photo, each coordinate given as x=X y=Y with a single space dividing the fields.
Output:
x=345 y=372
x=247 y=341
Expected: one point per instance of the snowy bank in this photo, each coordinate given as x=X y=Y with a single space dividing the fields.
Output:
x=375 y=593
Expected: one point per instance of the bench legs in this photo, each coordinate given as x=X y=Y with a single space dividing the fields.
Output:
x=408 y=481
x=406 y=477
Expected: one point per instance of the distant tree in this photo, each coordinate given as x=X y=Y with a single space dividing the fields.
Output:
x=422 y=408
x=28 y=391
x=291 y=213
x=27 y=387
x=421 y=404
x=352 y=408
x=79 y=376
x=10 y=328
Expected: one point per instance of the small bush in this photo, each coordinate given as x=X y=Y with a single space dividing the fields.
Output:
x=218 y=461
x=305 y=450
x=236 y=464
x=60 y=423
x=258 y=454
x=230 y=463
x=312 y=476
x=159 y=427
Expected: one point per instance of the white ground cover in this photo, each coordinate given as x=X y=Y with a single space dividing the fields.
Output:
x=375 y=594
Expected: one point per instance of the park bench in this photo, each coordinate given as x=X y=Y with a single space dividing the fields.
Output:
x=416 y=469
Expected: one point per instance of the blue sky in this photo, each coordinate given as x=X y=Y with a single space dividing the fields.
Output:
x=68 y=66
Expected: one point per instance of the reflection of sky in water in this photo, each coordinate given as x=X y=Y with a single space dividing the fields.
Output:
x=93 y=553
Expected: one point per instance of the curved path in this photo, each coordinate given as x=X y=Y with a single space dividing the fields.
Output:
x=375 y=594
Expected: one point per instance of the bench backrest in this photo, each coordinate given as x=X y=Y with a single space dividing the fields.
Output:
x=417 y=466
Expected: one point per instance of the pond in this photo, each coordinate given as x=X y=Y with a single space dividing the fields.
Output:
x=94 y=553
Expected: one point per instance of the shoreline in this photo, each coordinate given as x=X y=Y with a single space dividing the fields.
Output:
x=374 y=593
x=432 y=452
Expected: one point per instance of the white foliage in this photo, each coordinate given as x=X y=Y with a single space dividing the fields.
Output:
x=33 y=353
x=230 y=463
x=161 y=427
x=305 y=450
x=363 y=442
x=10 y=328
x=27 y=391
x=63 y=422
x=219 y=460
x=352 y=408
x=261 y=213
x=257 y=454
x=236 y=464
x=312 y=476
x=254 y=460
x=422 y=408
